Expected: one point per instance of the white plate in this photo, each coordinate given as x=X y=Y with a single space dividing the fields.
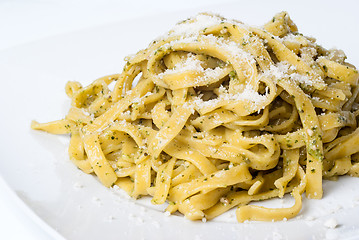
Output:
x=37 y=168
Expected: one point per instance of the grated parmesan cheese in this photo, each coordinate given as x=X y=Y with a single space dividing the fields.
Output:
x=331 y=223
x=78 y=185
x=192 y=26
x=248 y=94
x=193 y=64
x=283 y=70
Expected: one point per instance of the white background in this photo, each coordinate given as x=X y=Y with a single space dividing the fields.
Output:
x=26 y=21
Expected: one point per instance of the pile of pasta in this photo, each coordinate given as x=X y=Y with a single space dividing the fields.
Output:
x=216 y=114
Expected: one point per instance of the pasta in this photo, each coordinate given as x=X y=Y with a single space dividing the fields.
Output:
x=217 y=114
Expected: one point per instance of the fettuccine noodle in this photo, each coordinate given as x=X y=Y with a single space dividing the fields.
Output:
x=216 y=114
